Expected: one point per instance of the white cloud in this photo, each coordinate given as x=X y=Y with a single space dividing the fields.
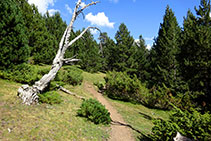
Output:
x=149 y=38
x=115 y=1
x=93 y=31
x=42 y=4
x=136 y=40
x=100 y=20
x=52 y=11
x=82 y=4
x=210 y=14
x=149 y=46
x=68 y=8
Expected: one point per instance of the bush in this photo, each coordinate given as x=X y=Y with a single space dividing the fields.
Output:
x=159 y=98
x=51 y=97
x=94 y=111
x=100 y=85
x=23 y=73
x=191 y=124
x=71 y=75
x=120 y=86
x=53 y=85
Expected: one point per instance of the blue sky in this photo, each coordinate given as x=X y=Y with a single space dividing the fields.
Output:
x=142 y=17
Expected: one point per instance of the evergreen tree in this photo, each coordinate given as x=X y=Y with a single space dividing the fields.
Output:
x=13 y=40
x=141 y=62
x=44 y=45
x=89 y=54
x=164 y=51
x=124 y=50
x=86 y=49
x=55 y=25
x=108 y=46
x=196 y=52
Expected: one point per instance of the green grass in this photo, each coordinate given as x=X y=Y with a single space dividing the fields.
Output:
x=92 y=78
x=138 y=116
x=44 y=122
x=60 y=122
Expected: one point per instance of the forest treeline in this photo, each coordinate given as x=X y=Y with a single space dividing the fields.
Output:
x=177 y=69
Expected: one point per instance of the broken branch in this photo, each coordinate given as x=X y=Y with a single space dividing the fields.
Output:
x=70 y=93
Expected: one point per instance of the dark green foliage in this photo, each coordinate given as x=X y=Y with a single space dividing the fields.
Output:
x=23 y=73
x=54 y=85
x=13 y=40
x=141 y=62
x=191 y=124
x=100 y=85
x=55 y=25
x=124 y=50
x=120 y=86
x=159 y=98
x=51 y=97
x=94 y=111
x=43 y=44
x=70 y=74
x=89 y=54
x=108 y=52
x=126 y=55
x=164 y=65
x=87 y=51
x=195 y=53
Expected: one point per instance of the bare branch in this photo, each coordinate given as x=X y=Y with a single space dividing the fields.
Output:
x=69 y=60
x=68 y=92
x=79 y=36
x=81 y=10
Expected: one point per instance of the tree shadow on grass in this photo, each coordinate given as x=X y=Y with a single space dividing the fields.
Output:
x=142 y=137
x=146 y=116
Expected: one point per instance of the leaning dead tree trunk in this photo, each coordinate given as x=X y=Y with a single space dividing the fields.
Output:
x=29 y=94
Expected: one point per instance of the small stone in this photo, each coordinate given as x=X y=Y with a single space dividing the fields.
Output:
x=9 y=130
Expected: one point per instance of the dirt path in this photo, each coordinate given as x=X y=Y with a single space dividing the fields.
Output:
x=119 y=132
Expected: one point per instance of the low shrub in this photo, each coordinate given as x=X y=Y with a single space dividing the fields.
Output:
x=120 y=86
x=94 y=111
x=23 y=73
x=159 y=98
x=50 y=97
x=191 y=124
x=100 y=86
x=70 y=74
x=54 y=85
x=26 y=73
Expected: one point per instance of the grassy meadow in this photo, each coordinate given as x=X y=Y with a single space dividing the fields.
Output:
x=60 y=121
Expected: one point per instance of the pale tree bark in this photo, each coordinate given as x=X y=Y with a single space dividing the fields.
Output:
x=29 y=94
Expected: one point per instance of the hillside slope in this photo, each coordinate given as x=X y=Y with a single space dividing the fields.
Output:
x=56 y=122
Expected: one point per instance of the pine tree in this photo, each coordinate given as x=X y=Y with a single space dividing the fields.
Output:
x=13 y=40
x=89 y=54
x=123 y=50
x=55 y=25
x=164 y=51
x=196 y=51
x=86 y=49
x=107 y=52
x=141 y=63
x=43 y=45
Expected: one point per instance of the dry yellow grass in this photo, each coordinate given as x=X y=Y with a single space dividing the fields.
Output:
x=45 y=122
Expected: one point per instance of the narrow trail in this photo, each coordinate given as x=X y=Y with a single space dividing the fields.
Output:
x=119 y=132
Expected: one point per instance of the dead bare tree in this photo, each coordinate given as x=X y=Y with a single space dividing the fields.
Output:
x=29 y=94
